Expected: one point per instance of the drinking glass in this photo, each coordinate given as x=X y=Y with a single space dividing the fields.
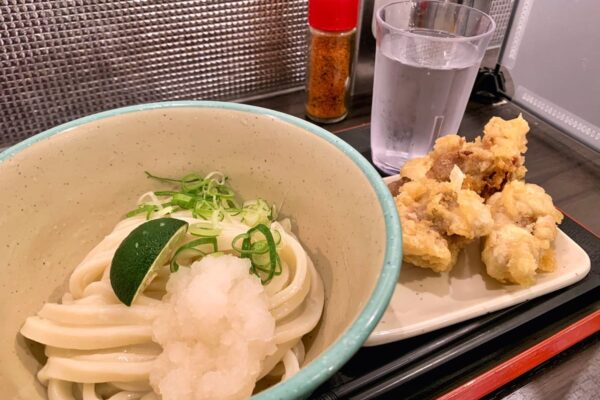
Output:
x=427 y=58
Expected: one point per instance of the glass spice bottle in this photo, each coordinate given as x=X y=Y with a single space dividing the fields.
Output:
x=332 y=33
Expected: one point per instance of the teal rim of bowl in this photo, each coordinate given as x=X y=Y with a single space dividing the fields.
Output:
x=302 y=384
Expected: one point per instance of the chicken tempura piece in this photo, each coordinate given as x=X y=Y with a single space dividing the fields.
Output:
x=522 y=240
x=438 y=220
x=489 y=162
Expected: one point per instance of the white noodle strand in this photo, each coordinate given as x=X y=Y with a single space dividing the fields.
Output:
x=106 y=348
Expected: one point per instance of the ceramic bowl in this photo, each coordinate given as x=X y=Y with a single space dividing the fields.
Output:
x=66 y=188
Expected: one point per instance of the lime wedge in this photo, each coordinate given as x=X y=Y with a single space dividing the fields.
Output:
x=147 y=248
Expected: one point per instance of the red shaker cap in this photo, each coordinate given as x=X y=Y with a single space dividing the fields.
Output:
x=333 y=15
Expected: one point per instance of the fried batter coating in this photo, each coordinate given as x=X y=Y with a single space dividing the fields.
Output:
x=438 y=219
x=489 y=162
x=522 y=240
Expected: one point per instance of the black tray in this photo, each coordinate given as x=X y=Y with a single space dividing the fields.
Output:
x=431 y=364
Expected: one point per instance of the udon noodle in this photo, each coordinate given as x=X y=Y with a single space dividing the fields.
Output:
x=99 y=348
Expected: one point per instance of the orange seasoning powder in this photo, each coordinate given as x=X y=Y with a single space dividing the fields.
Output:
x=328 y=75
x=332 y=31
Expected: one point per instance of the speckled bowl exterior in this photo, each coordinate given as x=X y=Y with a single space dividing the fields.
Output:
x=65 y=189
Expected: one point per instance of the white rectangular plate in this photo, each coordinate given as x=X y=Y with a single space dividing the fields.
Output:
x=425 y=300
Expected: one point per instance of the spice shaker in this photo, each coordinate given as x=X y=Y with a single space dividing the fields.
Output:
x=332 y=33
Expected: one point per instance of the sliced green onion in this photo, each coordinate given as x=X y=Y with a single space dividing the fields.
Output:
x=141 y=209
x=225 y=192
x=260 y=247
x=250 y=250
x=165 y=193
x=191 y=182
x=204 y=229
x=182 y=200
x=277 y=237
x=273 y=215
x=149 y=175
x=233 y=205
x=191 y=246
x=208 y=198
x=243 y=249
